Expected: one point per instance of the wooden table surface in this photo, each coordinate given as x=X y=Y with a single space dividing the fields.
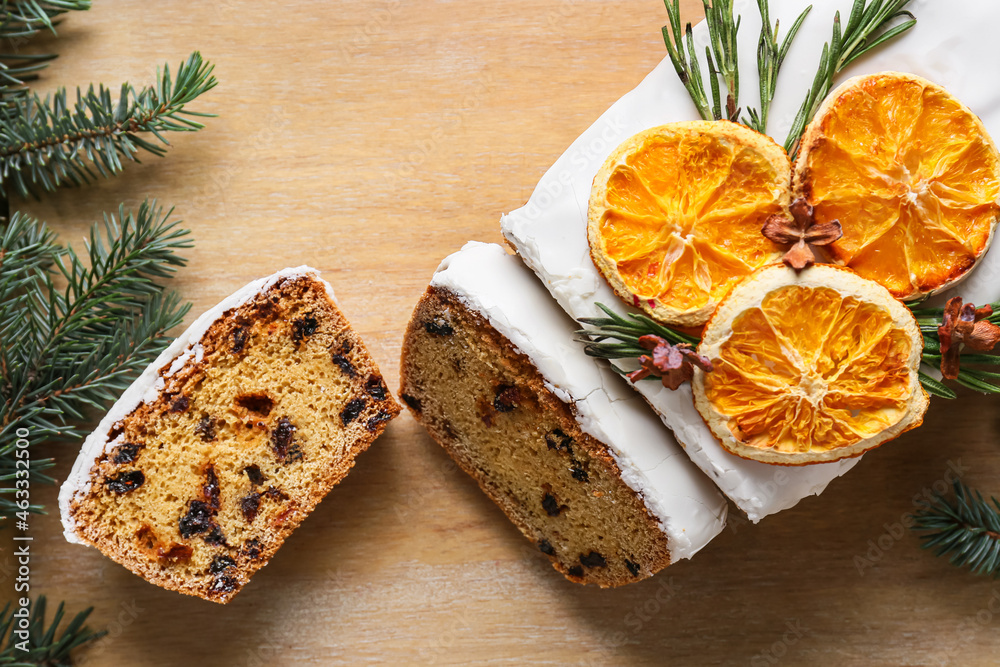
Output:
x=370 y=140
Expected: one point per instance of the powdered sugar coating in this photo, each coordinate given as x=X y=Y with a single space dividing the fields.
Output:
x=950 y=46
x=498 y=286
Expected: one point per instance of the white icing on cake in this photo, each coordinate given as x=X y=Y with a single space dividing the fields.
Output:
x=497 y=285
x=549 y=232
x=148 y=385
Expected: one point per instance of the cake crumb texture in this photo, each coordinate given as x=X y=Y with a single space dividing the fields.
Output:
x=198 y=488
x=488 y=406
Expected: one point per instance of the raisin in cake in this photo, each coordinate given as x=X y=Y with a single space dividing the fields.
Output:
x=229 y=439
x=575 y=459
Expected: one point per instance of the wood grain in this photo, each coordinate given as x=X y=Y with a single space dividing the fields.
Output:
x=371 y=139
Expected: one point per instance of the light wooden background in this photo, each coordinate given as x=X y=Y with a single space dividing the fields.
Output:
x=371 y=139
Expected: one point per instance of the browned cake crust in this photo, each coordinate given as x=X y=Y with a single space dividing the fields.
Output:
x=488 y=406
x=206 y=482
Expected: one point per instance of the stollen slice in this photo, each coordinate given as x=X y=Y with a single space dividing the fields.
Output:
x=227 y=441
x=575 y=459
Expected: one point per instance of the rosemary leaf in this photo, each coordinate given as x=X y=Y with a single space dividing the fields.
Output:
x=935 y=387
x=673 y=38
x=930 y=319
x=980 y=359
x=721 y=57
x=770 y=56
x=625 y=332
x=967 y=379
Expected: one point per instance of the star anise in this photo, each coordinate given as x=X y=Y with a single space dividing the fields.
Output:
x=964 y=325
x=801 y=232
x=674 y=364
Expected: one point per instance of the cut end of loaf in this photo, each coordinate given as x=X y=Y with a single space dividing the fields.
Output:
x=488 y=406
x=197 y=488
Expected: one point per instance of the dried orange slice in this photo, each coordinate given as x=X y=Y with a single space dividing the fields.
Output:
x=912 y=175
x=809 y=367
x=676 y=212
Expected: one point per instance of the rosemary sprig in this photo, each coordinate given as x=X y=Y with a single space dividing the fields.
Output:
x=721 y=57
x=770 y=56
x=967 y=529
x=598 y=341
x=45 y=645
x=723 y=28
x=866 y=29
x=617 y=337
x=985 y=381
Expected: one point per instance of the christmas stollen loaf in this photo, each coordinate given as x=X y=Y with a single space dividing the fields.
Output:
x=575 y=459
x=550 y=231
x=226 y=442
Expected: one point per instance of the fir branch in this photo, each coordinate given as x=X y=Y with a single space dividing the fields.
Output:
x=46 y=143
x=721 y=57
x=967 y=529
x=866 y=29
x=45 y=644
x=770 y=56
x=25 y=18
x=20 y=20
x=67 y=351
x=979 y=379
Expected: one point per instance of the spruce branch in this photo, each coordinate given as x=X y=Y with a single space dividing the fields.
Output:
x=25 y=18
x=867 y=27
x=46 y=645
x=20 y=20
x=966 y=528
x=67 y=351
x=770 y=56
x=46 y=143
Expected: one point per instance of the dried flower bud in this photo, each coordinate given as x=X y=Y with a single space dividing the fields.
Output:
x=674 y=364
x=964 y=325
x=800 y=232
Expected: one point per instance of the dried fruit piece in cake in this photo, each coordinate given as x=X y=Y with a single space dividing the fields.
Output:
x=229 y=439
x=912 y=175
x=809 y=367
x=574 y=458
x=676 y=214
